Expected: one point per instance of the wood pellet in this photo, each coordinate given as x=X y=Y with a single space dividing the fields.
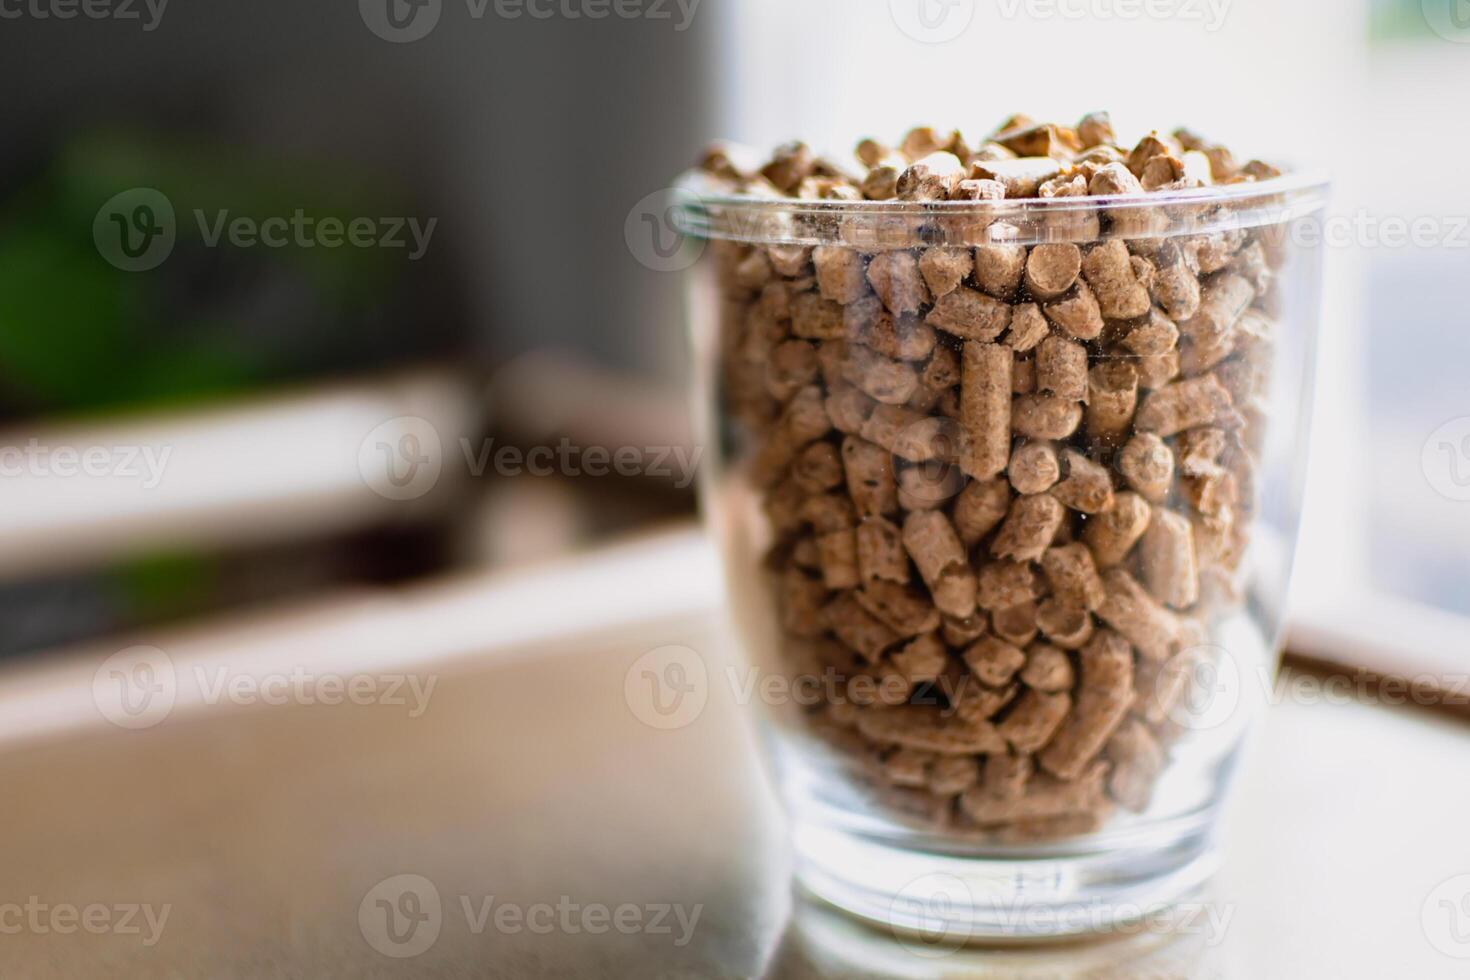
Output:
x=1004 y=482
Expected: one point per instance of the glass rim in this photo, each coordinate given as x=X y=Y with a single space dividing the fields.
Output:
x=703 y=209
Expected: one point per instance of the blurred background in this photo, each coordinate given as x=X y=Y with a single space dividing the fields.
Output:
x=293 y=295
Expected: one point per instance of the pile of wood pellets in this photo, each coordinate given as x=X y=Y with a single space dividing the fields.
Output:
x=1008 y=487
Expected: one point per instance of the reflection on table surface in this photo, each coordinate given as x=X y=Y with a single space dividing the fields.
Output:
x=277 y=837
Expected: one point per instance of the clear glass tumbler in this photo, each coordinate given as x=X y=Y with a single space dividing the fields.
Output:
x=1007 y=494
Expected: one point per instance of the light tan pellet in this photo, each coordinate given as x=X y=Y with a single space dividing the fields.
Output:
x=999 y=268
x=1176 y=283
x=1153 y=334
x=837 y=553
x=880 y=551
x=1045 y=416
x=951 y=775
x=870 y=480
x=1077 y=313
x=1136 y=615
x=1186 y=404
x=928 y=729
x=985 y=409
x=1086 y=487
x=1067 y=626
x=1034 y=467
x=1109 y=271
x=1112 y=393
x=885 y=380
x=1224 y=299
x=1147 y=464
x=942 y=371
x=980 y=508
x=1051 y=269
x=1157 y=370
x=1103 y=698
x=908 y=767
x=1045 y=798
x=945 y=268
x=935 y=547
x=922 y=659
x=970 y=315
x=1034 y=720
x=1005 y=776
x=931 y=177
x=802 y=598
x=929 y=485
x=848 y=408
x=902 y=608
x=910 y=435
x=921 y=141
x=1029 y=527
x=1047 y=669
x=1061 y=369
x=906 y=338
x=959 y=632
x=1007 y=583
x=994 y=661
x=1113 y=533
x=1096 y=128
x=1021 y=176
x=895 y=277
x=1166 y=556
x=854 y=626
x=841 y=273
x=1200 y=451
x=1028 y=328
x=1072 y=575
x=815 y=318
x=881 y=183
x=1017 y=625
x=817 y=468
x=1137 y=760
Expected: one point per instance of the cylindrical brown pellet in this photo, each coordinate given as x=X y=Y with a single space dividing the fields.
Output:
x=1077 y=312
x=935 y=547
x=1166 y=557
x=1029 y=528
x=999 y=268
x=1147 y=463
x=1067 y=626
x=1015 y=624
x=885 y=380
x=1034 y=467
x=1073 y=576
x=1051 y=269
x=1136 y=615
x=1184 y=405
x=838 y=556
x=841 y=273
x=1137 y=759
x=945 y=268
x=1045 y=797
x=1087 y=486
x=985 y=409
x=880 y=551
x=994 y=661
x=818 y=467
x=970 y=315
x=1103 y=698
x=1034 y=719
x=1006 y=775
x=1114 y=532
x=902 y=608
x=869 y=472
x=1047 y=669
x=1045 y=416
x=980 y=508
x=1061 y=369
x=895 y=277
x=951 y=775
x=1110 y=274
x=1112 y=390
x=1224 y=299
x=1006 y=583
x=1028 y=328
x=855 y=627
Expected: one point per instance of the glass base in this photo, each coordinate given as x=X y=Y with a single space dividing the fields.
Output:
x=941 y=898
